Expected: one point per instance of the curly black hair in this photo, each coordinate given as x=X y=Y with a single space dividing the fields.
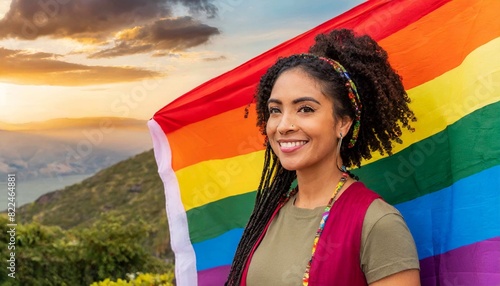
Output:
x=384 y=111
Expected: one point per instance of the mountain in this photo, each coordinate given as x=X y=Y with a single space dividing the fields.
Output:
x=131 y=188
x=69 y=146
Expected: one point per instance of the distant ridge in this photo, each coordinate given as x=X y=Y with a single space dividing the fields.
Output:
x=69 y=146
x=70 y=123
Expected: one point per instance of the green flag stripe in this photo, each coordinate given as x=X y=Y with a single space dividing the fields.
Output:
x=214 y=219
x=464 y=148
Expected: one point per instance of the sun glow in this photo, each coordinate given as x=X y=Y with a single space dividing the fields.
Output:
x=4 y=7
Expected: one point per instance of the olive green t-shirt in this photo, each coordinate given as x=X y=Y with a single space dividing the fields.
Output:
x=387 y=246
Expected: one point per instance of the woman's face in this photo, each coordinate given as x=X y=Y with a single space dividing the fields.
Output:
x=301 y=128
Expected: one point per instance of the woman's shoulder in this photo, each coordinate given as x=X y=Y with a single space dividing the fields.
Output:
x=383 y=218
x=380 y=209
x=387 y=246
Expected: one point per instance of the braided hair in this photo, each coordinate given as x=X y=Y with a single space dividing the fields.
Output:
x=385 y=110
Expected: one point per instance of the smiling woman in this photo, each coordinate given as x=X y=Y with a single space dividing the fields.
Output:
x=307 y=104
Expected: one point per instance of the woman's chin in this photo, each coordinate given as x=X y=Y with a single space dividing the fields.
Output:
x=289 y=166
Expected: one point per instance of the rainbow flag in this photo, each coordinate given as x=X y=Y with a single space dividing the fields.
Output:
x=444 y=178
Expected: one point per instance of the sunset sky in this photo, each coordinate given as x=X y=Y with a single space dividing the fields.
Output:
x=129 y=58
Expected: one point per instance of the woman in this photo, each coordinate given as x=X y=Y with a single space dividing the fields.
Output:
x=313 y=223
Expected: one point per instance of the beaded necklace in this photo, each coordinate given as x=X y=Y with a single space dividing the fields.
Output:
x=324 y=217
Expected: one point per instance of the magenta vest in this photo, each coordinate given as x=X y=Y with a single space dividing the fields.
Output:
x=337 y=259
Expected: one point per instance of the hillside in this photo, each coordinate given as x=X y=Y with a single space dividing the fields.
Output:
x=130 y=188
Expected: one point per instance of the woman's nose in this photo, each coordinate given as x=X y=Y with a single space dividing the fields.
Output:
x=285 y=125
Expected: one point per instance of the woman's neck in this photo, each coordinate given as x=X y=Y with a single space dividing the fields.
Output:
x=316 y=188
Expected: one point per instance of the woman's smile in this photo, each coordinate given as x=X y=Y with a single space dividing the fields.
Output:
x=288 y=146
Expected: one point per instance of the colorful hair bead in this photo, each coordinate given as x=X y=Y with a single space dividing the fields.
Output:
x=353 y=97
x=352 y=93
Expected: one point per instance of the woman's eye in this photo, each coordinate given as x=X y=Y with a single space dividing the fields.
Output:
x=274 y=110
x=306 y=109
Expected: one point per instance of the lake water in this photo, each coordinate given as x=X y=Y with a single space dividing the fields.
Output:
x=28 y=191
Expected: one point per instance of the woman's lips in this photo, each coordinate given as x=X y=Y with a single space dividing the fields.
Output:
x=291 y=146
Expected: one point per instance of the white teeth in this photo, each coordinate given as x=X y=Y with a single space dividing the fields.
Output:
x=292 y=144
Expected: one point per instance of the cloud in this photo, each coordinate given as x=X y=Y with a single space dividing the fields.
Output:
x=215 y=59
x=22 y=67
x=88 y=20
x=162 y=37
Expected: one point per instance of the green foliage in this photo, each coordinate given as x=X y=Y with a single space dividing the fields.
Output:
x=113 y=250
x=40 y=252
x=142 y=279
x=130 y=189
x=52 y=256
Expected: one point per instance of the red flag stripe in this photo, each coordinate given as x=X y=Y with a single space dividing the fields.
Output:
x=236 y=88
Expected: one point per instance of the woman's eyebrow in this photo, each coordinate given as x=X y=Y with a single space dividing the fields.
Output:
x=295 y=101
x=273 y=100
x=305 y=98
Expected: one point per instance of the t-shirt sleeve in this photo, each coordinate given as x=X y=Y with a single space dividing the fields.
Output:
x=387 y=246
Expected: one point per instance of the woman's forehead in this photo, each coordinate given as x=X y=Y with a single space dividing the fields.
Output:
x=295 y=83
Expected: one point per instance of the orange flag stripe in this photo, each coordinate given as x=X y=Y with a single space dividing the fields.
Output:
x=223 y=136
x=421 y=44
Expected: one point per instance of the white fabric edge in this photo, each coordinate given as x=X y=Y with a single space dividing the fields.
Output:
x=185 y=258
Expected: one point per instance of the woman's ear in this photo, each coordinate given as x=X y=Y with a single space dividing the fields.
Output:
x=343 y=125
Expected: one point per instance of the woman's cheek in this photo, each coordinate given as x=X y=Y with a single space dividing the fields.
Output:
x=270 y=127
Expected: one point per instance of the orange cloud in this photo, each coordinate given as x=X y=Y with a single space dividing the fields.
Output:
x=21 y=67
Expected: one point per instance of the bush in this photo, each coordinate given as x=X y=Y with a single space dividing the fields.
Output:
x=141 y=279
x=48 y=256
